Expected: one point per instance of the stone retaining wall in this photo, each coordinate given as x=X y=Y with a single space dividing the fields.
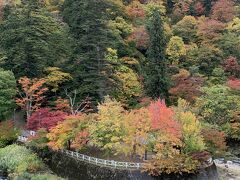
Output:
x=70 y=168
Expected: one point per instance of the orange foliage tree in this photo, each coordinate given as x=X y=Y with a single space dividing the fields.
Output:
x=135 y=10
x=71 y=133
x=167 y=131
x=232 y=67
x=210 y=29
x=31 y=94
x=168 y=142
x=62 y=105
x=162 y=119
x=234 y=83
x=140 y=37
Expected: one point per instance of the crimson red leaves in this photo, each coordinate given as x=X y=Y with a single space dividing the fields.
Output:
x=45 y=118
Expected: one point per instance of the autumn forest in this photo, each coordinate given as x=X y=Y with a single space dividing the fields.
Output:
x=149 y=81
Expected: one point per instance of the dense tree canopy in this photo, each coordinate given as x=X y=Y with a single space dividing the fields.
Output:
x=32 y=40
x=124 y=78
x=7 y=93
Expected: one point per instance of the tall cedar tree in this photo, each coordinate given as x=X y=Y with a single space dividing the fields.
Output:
x=88 y=24
x=156 y=79
x=32 y=40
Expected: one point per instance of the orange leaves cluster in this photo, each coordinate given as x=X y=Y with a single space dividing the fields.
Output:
x=210 y=29
x=231 y=66
x=81 y=139
x=234 y=83
x=223 y=10
x=162 y=118
x=135 y=10
x=137 y=125
x=215 y=140
x=31 y=94
x=71 y=133
x=63 y=105
x=199 y=8
x=177 y=164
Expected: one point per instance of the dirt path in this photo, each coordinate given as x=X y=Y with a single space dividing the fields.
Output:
x=228 y=172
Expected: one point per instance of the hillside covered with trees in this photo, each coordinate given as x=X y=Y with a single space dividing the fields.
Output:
x=155 y=81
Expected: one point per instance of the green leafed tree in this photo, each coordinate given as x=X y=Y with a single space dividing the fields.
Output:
x=229 y=43
x=156 y=79
x=206 y=58
x=32 y=40
x=218 y=104
x=187 y=29
x=191 y=128
x=7 y=93
x=175 y=49
x=89 y=24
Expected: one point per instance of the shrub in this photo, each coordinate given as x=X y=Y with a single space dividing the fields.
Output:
x=8 y=133
x=215 y=140
x=177 y=164
x=44 y=176
x=40 y=140
x=17 y=159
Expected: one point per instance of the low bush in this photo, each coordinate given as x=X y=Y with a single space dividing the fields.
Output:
x=17 y=160
x=8 y=134
x=46 y=176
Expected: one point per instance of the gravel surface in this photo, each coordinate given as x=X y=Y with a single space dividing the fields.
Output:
x=228 y=171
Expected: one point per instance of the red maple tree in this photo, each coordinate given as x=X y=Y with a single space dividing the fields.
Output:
x=45 y=118
x=186 y=86
x=231 y=66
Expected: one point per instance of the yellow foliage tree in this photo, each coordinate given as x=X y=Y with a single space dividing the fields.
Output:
x=191 y=128
x=55 y=77
x=108 y=131
x=175 y=49
x=137 y=125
